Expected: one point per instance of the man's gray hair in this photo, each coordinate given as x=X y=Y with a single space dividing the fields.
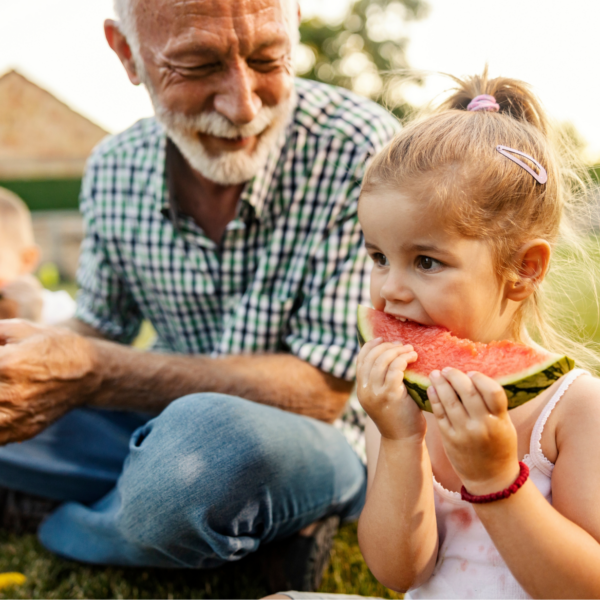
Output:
x=125 y=11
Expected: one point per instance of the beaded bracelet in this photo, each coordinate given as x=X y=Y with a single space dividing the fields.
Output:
x=511 y=489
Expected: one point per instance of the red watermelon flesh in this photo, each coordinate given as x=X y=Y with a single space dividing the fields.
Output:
x=522 y=370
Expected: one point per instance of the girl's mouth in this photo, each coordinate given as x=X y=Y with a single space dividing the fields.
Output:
x=407 y=320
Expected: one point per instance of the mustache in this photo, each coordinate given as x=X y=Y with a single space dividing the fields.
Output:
x=215 y=124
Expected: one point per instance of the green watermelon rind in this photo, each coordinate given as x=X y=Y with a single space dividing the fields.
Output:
x=519 y=387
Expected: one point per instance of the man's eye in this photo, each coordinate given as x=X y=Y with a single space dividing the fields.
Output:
x=380 y=259
x=263 y=61
x=198 y=70
x=264 y=64
x=426 y=263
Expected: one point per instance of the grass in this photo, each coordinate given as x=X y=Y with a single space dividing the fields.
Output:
x=51 y=577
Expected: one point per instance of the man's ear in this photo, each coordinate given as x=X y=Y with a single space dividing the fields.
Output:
x=533 y=259
x=118 y=43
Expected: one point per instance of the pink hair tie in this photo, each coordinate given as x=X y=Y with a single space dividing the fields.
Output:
x=484 y=102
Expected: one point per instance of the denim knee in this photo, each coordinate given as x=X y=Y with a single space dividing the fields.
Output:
x=189 y=470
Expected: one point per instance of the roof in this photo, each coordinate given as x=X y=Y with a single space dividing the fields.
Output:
x=40 y=136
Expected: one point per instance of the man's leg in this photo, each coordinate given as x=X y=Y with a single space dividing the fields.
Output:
x=80 y=457
x=208 y=481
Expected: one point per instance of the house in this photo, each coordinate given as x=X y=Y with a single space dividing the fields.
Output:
x=44 y=145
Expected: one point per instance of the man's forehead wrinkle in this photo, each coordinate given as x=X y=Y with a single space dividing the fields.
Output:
x=225 y=27
x=215 y=9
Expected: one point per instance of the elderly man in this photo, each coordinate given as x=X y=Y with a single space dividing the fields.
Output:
x=229 y=222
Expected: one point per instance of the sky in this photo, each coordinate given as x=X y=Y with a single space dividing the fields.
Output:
x=552 y=44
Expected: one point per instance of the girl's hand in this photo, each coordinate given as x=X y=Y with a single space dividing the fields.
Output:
x=479 y=438
x=382 y=392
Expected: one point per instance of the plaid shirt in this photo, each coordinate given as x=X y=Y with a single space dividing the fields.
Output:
x=290 y=269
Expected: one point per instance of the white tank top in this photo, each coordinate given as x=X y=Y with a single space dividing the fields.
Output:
x=468 y=564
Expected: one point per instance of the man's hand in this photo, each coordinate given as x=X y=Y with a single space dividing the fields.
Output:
x=44 y=373
x=47 y=371
x=22 y=298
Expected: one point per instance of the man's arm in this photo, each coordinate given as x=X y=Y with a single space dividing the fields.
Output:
x=148 y=382
x=45 y=372
x=78 y=326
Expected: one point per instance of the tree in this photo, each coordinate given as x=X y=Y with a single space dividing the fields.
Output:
x=366 y=52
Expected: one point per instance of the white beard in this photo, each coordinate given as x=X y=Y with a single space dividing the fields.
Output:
x=229 y=167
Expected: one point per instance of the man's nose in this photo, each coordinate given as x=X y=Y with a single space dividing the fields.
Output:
x=237 y=100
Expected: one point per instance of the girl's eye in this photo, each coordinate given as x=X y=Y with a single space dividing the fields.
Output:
x=426 y=263
x=380 y=259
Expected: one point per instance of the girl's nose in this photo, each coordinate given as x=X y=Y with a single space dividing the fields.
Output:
x=395 y=289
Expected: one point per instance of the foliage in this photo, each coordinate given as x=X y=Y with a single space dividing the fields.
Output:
x=370 y=43
x=49 y=576
x=46 y=194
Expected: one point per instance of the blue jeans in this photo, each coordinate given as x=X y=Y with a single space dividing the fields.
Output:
x=207 y=481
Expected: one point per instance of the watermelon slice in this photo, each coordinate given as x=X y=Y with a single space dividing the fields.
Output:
x=522 y=371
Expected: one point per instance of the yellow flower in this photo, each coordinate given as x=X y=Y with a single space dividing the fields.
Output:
x=10 y=579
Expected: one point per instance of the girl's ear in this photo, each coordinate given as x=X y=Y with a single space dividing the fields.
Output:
x=533 y=259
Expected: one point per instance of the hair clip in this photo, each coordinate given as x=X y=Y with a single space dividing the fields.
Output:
x=507 y=152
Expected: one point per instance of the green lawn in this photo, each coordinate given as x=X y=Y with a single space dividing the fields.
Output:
x=52 y=577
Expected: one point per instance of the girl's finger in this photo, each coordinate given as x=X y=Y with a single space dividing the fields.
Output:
x=380 y=367
x=369 y=353
x=453 y=407
x=438 y=410
x=467 y=392
x=491 y=391
x=399 y=365
x=364 y=351
x=376 y=350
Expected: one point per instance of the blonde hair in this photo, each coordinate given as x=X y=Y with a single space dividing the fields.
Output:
x=16 y=228
x=449 y=160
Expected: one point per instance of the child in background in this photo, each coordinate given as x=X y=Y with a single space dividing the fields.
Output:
x=21 y=295
x=461 y=213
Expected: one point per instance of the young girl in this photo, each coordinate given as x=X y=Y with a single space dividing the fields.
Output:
x=460 y=215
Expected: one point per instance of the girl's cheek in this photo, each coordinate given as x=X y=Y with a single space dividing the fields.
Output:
x=376 y=299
